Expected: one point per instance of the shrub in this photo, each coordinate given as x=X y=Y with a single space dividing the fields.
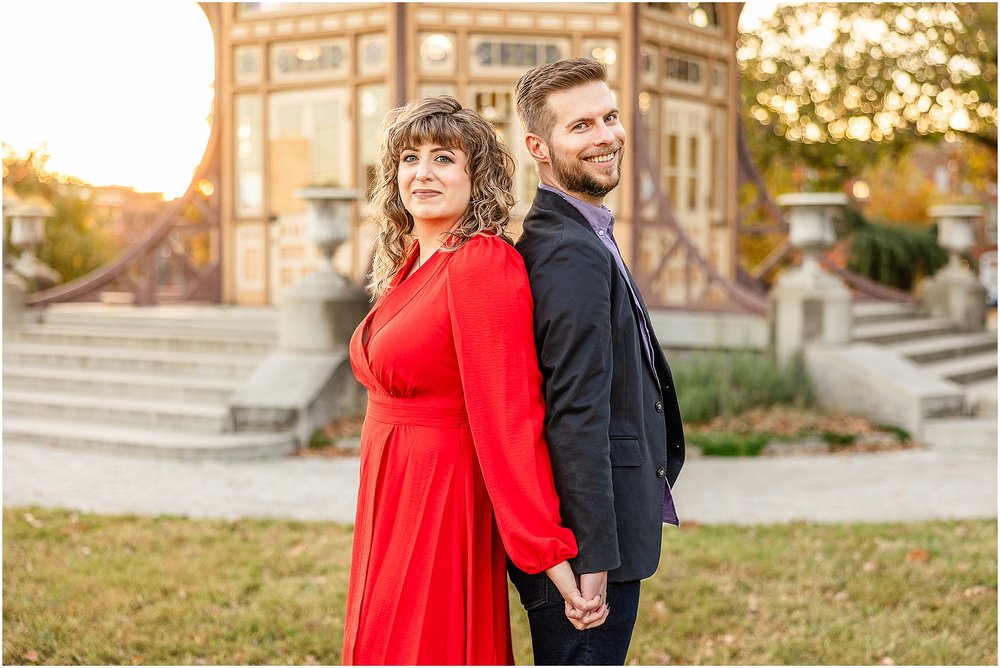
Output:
x=897 y=255
x=710 y=384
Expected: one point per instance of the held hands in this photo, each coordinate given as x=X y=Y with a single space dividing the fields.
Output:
x=586 y=601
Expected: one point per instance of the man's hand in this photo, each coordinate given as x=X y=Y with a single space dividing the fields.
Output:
x=594 y=586
x=583 y=612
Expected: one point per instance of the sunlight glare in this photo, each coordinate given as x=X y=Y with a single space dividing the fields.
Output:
x=117 y=93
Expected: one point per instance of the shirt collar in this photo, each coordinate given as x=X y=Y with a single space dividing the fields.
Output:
x=598 y=217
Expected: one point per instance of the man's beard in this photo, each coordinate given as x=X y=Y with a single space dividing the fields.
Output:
x=575 y=179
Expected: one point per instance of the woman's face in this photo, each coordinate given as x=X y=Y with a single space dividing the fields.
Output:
x=434 y=184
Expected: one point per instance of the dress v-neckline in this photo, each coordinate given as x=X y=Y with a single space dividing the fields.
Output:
x=401 y=292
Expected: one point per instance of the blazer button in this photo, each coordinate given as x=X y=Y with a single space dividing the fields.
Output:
x=661 y=472
x=659 y=406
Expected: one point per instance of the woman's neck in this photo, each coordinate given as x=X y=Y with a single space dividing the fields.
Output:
x=430 y=238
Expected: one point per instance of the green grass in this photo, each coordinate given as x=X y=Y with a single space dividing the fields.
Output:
x=122 y=590
x=728 y=445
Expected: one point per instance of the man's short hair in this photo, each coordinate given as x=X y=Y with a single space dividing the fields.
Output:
x=531 y=94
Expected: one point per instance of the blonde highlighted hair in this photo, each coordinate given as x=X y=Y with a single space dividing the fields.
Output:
x=441 y=121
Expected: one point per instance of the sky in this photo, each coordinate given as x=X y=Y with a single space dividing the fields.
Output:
x=118 y=93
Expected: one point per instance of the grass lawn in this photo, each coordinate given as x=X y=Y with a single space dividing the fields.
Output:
x=90 y=589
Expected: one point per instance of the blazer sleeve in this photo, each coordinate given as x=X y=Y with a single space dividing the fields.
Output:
x=571 y=284
x=490 y=306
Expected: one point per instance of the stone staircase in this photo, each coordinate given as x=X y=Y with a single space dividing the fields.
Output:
x=152 y=381
x=919 y=373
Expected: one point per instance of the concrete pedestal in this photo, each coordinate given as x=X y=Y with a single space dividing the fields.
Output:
x=955 y=294
x=308 y=381
x=15 y=297
x=808 y=306
x=320 y=314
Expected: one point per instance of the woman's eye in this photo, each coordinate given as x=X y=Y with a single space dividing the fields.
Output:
x=443 y=158
x=408 y=158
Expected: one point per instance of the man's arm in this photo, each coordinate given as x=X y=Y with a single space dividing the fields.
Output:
x=571 y=287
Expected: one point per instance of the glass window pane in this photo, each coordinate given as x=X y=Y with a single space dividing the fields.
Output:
x=372 y=54
x=309 y=61
x=247 y=65
x=372 y=105
x=249 y=174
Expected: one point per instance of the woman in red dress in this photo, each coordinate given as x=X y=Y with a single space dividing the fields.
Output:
x=455 y=472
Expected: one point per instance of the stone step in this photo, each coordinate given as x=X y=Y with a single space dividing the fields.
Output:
x=981 y=397
x=961 y=434
x=110 y=336
x=966 y=369
x=867 y=312
x=156 y=443
x=902 y=330
x=871 y=380
x=945 y=347
x=167 y=317
x=139 y=361
x=97 y=382
x=158 y=413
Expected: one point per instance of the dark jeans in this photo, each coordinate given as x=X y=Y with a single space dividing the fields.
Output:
x=554 y=640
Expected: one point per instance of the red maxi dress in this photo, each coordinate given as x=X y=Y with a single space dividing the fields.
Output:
x=455 y=472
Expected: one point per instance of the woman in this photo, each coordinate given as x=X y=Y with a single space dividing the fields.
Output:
x=454 y=468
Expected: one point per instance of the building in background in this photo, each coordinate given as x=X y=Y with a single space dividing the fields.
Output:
x=304 y=86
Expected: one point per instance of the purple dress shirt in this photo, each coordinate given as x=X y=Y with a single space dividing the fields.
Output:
x=603 y=223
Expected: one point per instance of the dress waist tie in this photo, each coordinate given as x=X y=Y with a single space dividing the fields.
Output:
x=417 y=411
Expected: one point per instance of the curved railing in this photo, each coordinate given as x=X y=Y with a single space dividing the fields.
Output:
x=135 y=274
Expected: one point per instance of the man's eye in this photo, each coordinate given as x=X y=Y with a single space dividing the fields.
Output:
x=611 y=118
x=579 y=126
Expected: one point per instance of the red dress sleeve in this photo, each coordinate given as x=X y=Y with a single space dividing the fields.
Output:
x=490 y=304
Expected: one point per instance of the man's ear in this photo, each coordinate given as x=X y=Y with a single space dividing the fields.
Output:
x=537 y=148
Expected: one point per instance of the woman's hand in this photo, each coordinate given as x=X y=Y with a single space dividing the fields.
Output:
x=581 y=612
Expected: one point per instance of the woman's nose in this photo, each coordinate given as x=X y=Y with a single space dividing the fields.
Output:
x=424 y=171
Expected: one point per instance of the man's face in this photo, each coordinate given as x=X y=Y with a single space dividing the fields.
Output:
x=586 y=143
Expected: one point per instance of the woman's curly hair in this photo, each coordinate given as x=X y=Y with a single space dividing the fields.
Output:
x=441 y=121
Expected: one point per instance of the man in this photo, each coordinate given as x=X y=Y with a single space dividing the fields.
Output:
x=612 y=422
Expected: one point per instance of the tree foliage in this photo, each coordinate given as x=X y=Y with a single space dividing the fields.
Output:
x=836 y=85
x=74 y=242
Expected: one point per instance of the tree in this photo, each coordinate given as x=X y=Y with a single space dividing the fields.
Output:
x=74 y=243
x=839 y=85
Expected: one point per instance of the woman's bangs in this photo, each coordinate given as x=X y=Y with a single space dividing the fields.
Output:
x=436 y=129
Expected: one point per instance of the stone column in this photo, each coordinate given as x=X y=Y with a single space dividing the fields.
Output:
x=954 y=293
x=807 y=304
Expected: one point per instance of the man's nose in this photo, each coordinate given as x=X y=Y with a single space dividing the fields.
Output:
x=604 y=135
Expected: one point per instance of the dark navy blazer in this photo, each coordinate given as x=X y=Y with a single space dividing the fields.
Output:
x=614 y=432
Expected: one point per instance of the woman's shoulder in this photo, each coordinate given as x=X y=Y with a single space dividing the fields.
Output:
x=486 y=247
x=486 y=253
